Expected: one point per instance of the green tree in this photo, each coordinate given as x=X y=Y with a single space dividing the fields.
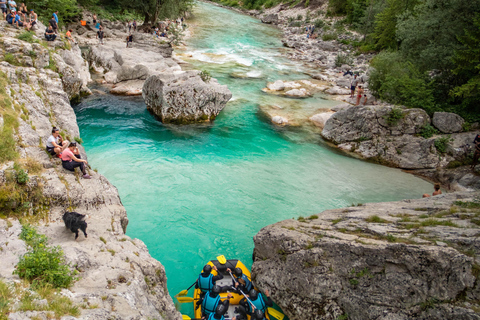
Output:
x=68 y=10
x=467 y=69
x=384 y=34
x=398 y=81
x=428 y=35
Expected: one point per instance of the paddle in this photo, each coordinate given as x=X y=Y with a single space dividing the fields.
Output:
x=185 y=299
x=185 y=292
x=275 y=313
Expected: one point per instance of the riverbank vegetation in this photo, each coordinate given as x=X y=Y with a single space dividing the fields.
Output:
x=428 y=51
x=148 y=10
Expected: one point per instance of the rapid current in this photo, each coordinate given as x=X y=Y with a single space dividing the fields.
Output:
x=195 y=192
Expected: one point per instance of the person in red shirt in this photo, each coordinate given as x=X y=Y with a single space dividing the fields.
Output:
x=71 y=159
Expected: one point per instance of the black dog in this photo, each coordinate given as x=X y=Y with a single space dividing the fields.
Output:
x=75 y=221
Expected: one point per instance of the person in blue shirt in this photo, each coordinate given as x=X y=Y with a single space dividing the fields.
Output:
x=55 y=16
x=12 y=5
x=18 y=20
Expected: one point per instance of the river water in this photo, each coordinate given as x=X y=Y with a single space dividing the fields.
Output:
x=195 y=192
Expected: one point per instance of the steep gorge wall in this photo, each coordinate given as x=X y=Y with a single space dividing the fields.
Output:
x=118 y=279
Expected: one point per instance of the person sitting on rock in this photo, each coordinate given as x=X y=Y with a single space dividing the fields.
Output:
x=55 y=143
x=206 y=280
x=257 y=300
x=10 y=17
x=476 y=154
x=437 y=191
x=68 y=36
x=18 y=19
x=33 y=18
x=50 y=34
x=71 y=159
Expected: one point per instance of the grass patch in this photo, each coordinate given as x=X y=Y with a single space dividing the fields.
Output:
x=43 y=264
x=103 y=240
x=434 y=222
x=376 y=219
x=335 y=221
x=10 y=58
x=26 y=36
x=6 y=296
x=468 y=204
x=312 y=217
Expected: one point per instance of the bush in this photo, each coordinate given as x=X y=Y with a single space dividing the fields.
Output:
x=43 y=264
x=342 y=59
x=329 y=36
x=22 y=177
x=319 y=23
x=427 y=131
x=394 y=116
x=399 y=82
x=26 y=36
x=441 y=144
x=10 y=58
x=206 y=76
x=295 y=24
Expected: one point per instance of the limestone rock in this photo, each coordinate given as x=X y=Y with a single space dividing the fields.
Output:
x=448 y=122
x=276 y=86
x=298 y=93
x=128 y=88
x=279 y=120
x=320 y=119
x=270 y=18
x=344 y=263
x=337 y=91
x=74 y=59
x=184 y=97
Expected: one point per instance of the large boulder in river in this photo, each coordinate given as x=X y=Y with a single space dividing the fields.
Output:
x=270 y=18
x=447 y=122
x=367 y=263
x=184 y=97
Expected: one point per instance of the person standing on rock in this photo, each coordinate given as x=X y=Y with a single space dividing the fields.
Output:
x=130 y=41
x=359 y=94
x=94 y=19
x=353 y=85
x=12 y=5
x=100 y=35
x=476 y=155
x=3 y=6
x=53 y=23
x=71 y=160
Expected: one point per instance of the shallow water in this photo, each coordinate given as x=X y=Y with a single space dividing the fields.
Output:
x=194 y=192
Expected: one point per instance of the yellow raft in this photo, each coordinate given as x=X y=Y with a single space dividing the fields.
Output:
x=222 y=264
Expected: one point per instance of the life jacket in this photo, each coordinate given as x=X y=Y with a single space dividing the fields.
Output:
x=209 y=304
x=259 y=303
x=212 y=317
x=205 y=283
x=248 y=283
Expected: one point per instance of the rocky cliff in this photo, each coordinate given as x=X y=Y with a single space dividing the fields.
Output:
x=117 y=278
x=412 y=259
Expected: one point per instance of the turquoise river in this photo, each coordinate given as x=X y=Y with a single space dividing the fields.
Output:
x=195 y=192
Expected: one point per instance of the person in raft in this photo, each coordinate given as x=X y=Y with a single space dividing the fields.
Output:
x=206 y=280
x=211 y=301
x=437 y=191
x=242 y=282
x=257 y=300
x=71 y=159
x=257 y=315
x=55 y=143
x=220 y=312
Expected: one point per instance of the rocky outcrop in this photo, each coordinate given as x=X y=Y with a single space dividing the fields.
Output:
x=412 y=259
x=117 y=278
x=184 y=97
x=448 y=122
x=270 y=18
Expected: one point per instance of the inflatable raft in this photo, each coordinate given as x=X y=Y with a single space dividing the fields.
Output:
x=222 y=265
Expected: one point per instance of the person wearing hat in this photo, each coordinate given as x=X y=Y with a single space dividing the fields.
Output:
x=220 y=312
x=257 y=300
x=211 y=301
x=71 y=160
x=242 y=281
x=33 y=17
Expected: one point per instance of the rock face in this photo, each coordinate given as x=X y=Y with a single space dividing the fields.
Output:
x=370 y=132
x=118 y=279
x=375 y=261
x=270 y=19
x=184 y=97
x=447 y=122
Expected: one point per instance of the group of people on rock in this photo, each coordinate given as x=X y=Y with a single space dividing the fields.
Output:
x=356 y=89
x=67 y=151
x=213 y=308
x=18 y=16
x=310 y=32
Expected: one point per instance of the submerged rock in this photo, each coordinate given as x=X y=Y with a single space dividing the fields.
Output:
x=184 y=97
